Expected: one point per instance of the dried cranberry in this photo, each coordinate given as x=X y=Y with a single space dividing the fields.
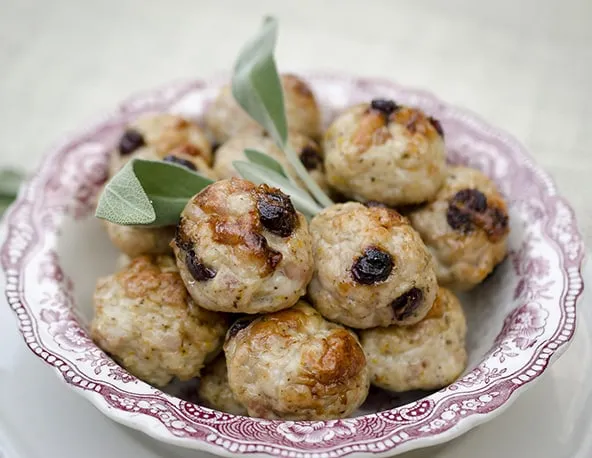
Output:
x=374 y=266
x=407 y=303
x=238 y=326
x=458 y=219
x=198 y=270
x=472 y=199
x=180 y=161
x=130 y=141
x=276 y=212
x=437 y=125
x=385 y=106
x=310 y=158
x=462 y=208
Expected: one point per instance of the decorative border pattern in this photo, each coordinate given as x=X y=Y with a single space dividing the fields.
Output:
x=545 y=275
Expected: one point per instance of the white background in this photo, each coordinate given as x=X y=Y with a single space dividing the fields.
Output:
x=524 y=65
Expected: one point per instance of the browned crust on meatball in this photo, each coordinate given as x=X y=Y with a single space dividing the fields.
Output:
x=144 y=278
x=330 y=364
x=292 y=82
x=370 y=131
x=243 y=232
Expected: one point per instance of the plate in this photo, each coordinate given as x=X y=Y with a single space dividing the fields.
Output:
x=521 y=319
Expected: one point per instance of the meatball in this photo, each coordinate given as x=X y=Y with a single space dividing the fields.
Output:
x=426 y=356
x=146 y=320
x=371 y=267
x=243 y=248
x=164 y=132
x=294 y=365
x=214 y=390
x=307 y=149
x=465 y=228
x=385 y=152
x=167 y=137
x=137 y=240
x=225 y=118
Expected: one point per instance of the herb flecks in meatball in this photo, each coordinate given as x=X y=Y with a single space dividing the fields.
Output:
x=374 y=266
x=180 y=161
x=468 y=209
x=406 y=304
x=311 y=158
x=131 y=140
x=276 y=212
x=197 y=269
x=385 y=106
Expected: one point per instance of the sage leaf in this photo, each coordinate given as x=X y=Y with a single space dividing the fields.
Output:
x=149 y=193
x=10 y=182
x=256 y=84
x=302 y=173
x=257 y=88
x=265 y=160
x=123 y=201
x=259 y=175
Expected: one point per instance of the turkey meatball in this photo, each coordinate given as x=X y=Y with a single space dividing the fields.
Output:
x=214 y=390
x=426 y=356
x=385 y=152
x=295 y=365
x=243 y=248
x=225 y=118
x=371 y=267
x=164 y=132
x=307 y=149
x=136 y=240
x=465 y=228
x=145 y=319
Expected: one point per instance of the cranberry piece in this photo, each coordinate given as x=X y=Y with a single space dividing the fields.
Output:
x=180 y=161
x=239 y=325
x=374 y=266
x=276 y=212
x=406 y=304
x=385 y=106
x=198 y=270
x=130 y=141
x=437 y=125
x=310 y=158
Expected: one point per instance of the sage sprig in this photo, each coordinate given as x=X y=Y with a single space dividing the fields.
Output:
x=257 y=88
x=265 y=160
x=259 y=174
x=154 y=193
x=10 y=182
x=149 y=193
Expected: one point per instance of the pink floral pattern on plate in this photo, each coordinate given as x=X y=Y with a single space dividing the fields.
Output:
x=537 y=290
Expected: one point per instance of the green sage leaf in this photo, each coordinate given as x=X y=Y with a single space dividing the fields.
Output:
x=259 y=175
x=150 y=193
x=265 y=160
x=10 y=182
x=257 y=88
x=123 y=201
x=256 y=84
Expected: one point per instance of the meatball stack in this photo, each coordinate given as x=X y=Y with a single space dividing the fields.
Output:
x=282 y=318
